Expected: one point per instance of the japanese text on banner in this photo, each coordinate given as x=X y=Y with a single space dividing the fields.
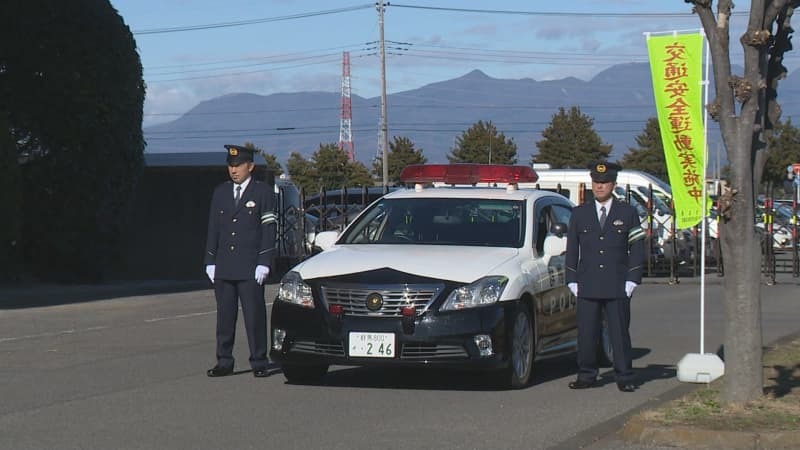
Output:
x=676 y=65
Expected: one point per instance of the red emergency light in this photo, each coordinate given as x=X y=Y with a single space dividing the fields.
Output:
x=467 y=174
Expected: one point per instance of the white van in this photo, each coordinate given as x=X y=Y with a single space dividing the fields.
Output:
x=575 y=184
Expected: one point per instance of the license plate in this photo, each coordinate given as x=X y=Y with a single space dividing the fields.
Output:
x=372 y=345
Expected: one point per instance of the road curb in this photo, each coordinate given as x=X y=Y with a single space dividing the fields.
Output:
x=637 y=430
x=642 y=432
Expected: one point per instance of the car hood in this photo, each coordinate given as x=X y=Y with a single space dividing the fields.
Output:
x=455 y=263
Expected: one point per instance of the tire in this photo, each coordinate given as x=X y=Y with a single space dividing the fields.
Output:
x=521 y=349
x=605 y=352
x=304 y=374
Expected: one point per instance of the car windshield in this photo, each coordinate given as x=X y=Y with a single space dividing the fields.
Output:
x=440 y=221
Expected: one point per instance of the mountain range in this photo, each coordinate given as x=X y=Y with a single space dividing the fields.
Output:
x=619 y=99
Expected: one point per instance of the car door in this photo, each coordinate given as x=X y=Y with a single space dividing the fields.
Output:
x=556 y=306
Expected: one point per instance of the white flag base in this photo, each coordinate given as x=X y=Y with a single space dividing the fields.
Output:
x=700 y=368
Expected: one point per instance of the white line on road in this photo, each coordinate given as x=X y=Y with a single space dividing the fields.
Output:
x=51 y=334
x=82 y=330
x=180 y=316
x=184 y=316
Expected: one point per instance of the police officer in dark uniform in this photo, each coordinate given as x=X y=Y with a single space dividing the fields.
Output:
x=239 y=249
x=604 y=261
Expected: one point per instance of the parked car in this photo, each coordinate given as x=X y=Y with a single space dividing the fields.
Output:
x=454 y=276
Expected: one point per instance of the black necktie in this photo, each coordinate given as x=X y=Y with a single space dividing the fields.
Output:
x=239 y=195
x=602 y=216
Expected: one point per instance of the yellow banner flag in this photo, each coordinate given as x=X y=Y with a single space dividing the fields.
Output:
x=676 y=64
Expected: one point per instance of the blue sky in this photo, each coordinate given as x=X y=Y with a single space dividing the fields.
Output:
x=271 y=46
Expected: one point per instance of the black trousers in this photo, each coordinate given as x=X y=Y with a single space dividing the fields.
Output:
x=618 y=319
x=229 y=293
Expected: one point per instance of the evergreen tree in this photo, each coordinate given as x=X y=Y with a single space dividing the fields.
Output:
x=270 y=160
x=649 y=157
x=10 y=200
x=330 y=163
x=482 y=144
x=72 y=93
x=329 y=168
x=570 y=141
x=784 y=149
x=358 y=175
x=302 y=173
x=401 y=154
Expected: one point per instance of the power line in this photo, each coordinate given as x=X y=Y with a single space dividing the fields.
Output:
x=263 y=58
x=536 y=54
x=632 y=15
x=249 y=22
x=249 y=72
x=504 y=127
x=239 y=23
x=394 y=106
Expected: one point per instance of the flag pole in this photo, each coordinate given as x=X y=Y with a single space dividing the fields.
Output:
x=703 y=226
x=702 y=367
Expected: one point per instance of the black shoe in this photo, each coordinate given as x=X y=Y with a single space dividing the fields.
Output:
x=582 y=384
x=260 y=373
x=218 y=371
x=625 y=386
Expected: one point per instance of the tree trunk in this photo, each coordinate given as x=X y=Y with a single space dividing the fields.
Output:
x=743 y=380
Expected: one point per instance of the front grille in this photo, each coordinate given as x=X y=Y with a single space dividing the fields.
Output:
x=353 y=298
x=318 y=348
x=433 y=351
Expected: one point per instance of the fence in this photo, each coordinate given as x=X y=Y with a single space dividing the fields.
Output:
x=672 y=253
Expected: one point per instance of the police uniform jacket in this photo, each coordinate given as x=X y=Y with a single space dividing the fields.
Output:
x=602 y=260
x=240 y=237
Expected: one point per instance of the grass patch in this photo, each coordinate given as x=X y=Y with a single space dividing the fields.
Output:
x=778 y=410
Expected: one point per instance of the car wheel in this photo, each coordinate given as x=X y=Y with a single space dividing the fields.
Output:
x=521 y=349
x=304 y=374
x=605 y=352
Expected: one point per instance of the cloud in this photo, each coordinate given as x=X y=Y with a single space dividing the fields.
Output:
x=551 y=33
x=486 y=30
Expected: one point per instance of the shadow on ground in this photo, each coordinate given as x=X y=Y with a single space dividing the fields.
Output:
x=31 y=296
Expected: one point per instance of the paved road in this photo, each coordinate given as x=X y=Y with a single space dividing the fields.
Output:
x=129 y=372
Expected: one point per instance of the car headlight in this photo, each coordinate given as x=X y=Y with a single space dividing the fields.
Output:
x=294 y=290
x=485 y=291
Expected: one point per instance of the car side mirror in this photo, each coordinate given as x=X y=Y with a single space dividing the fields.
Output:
x=326 y=239
x=554 y=245
x=559 y=229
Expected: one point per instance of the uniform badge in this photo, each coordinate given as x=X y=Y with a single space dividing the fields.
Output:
x=617 y=223
x=250 y=204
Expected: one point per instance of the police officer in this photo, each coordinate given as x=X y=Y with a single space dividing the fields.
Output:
x=605 y=255
x=239 y=248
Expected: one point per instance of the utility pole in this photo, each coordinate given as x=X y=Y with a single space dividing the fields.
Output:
x=384 y=138
x=490 y=147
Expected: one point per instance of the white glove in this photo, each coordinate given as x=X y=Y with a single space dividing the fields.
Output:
x=573 y=287
x=210 y=270
x=629 y=287
x=261 y=274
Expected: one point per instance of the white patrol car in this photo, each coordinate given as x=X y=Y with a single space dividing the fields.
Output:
x=459 y=276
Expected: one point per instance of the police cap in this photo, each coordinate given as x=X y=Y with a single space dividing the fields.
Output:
x=238 y=154
x=604 y=172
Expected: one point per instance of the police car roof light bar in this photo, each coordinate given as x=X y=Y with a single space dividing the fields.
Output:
x=467 y=174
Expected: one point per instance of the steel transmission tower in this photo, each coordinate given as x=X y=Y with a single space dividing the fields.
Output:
x=345 y=130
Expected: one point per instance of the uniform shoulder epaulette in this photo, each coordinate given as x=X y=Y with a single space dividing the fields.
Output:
x=635 y=233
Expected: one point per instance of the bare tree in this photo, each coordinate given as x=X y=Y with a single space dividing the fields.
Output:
x=746 y=109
